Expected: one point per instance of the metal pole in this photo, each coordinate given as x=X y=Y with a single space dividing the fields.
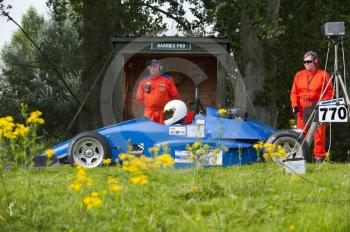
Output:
x=196 y=105
x=311 y=132
x=347 y=100
x=336 y=70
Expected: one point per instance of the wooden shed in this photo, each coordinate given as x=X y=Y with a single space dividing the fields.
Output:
x=190 y=61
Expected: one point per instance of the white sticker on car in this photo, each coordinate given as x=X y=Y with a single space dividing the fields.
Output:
x=177 y=130
x=214 y=157
x=211 y=157
x=182 y=157
x=200 y=121
x=195 y=131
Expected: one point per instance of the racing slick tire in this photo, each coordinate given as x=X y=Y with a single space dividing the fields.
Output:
x=288 y=139
x=88 y=149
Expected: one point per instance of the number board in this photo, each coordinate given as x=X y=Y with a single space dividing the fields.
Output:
x=332 y=113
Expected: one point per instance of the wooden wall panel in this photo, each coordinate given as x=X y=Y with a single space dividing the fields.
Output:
x=135 y=68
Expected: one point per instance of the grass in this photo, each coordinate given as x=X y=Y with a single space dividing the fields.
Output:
x=256 y=197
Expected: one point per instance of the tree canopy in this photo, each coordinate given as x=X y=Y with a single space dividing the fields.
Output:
x=28 y=77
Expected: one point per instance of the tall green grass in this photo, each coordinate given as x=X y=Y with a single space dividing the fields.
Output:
x=256 y=197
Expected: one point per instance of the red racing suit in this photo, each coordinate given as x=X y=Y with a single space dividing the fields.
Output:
x=306 y=90
x=154 y=93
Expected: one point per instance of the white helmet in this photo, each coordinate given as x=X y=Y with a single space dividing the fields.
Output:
x=174 y=111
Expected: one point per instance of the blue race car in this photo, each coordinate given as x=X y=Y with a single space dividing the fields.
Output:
x=233 y=136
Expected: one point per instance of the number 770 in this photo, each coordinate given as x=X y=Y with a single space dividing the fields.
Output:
x=336 y=113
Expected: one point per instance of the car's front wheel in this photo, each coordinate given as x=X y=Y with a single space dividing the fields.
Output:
x=292 y=142
x=88 y=149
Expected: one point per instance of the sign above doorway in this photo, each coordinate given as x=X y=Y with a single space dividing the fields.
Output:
x=171 y=46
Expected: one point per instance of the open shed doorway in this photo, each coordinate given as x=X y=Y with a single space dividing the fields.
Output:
x=186 y=70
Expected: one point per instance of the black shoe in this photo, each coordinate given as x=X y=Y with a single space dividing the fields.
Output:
x=319 y=159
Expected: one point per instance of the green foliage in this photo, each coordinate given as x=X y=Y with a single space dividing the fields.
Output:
x=28 y=77
x=4 y=7
x=223 y=15
x=246 y=198
x=133 y=18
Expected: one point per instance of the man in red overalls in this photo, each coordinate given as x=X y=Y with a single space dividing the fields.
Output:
x=155 y=90
x=307 y=88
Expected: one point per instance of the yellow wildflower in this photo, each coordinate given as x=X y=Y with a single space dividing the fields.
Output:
x=196 y=145
x=34 y=118
x=21 y=130
x=295 y=177
x=81 y=174
x=6 y=128
x=94 y=194
x=141 y=180
x=258 y=146
x=49 y=153
x=82 y=178
x=206 y=147
x=125 y=163
x=188 y=147
x=200 y=152
x=122 y=156
x=9 y=118
x=130 y=168
x=291 y=227
x=269 y=148
x=103 y=192
x=194 y=189
x=5 y=121
x=107 y=161
x=222 y=112
x=92 y=201
x=136 y=165
x=117 y=188
x=89 y=181
x=166 y=160
x=192 y=156
x=75 y=186
x=10 y=135
x=156 y=164
x=112 y=180
x=146 y=160
x=292 y=123
x=266 y=156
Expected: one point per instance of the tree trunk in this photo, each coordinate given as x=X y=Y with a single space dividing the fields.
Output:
x=99 y=26
x=252 y=64
x=271 y=112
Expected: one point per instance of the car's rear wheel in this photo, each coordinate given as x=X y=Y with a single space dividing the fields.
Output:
x=292 y=142
x=88 y=149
